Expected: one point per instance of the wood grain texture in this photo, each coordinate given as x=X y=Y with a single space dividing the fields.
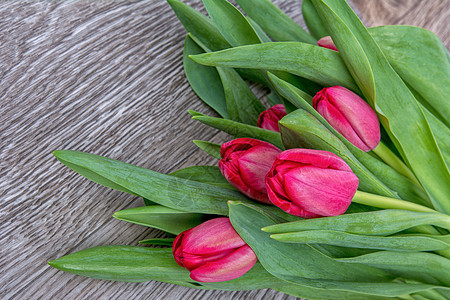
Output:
x=104 y=77
x=433 y=15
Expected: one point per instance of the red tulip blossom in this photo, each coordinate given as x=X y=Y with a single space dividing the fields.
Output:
x=213 y=252
x=327 y=42
x=350 y=115
x=245 y=163
x=269 y=118
x=311 y=183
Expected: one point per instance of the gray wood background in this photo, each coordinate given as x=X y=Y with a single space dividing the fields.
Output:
x=105 y=77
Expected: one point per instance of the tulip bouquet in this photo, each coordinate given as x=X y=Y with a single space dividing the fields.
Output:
x=340 y=190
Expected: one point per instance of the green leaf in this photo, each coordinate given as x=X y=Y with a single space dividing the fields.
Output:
x=315 y=63
x=158 y=241
x=273 y=21
x=205 y=174
x=405 y=188
x=409 y=130
x=307 y=292
x=256 y=278
x=147 y=202
x=277 y=257
x=408 y=265
x=212 y=175
x=199 y=25
x=242 y=104
x=211 y=91
x=195 y=113
x=242 y=130
x=123 y=263
x=263 y=37
x=239 y=32
x=231 y=23
x=161 y=217
x=382 y=222
x=170 y=191
x=307 y=86
x=274 y=99
x=295 y=95
x=339 y=238
x=312 y=20
x=203 y=31
x=300 y=129
x=210 y=148
x=139 y=264
x=305 y=265
x=442 y=135
x=421 y=60
x=97 y=178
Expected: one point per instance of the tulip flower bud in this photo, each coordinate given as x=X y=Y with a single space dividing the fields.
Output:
x=245 y=163
x=269 y=118
x=311 y=183
x=327 y=42
x=213 y=252
x=350 y=115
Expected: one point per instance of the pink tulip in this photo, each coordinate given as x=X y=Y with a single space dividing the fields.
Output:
x=311 y=183
x=327 y=42
x=213 y=252
x=350 y=115
x=245 y=163
x=269 y=118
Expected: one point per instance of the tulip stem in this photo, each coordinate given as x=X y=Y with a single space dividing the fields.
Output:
x=389 y=203
x=386 y=202
x=394 y=162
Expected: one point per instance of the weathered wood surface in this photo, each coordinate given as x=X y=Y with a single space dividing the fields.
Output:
x=105 y=77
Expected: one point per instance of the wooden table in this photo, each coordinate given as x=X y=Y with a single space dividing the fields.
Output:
x=105 y=77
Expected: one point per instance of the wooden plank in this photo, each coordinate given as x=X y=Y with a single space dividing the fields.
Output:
x=431 y=14
x=103 y=77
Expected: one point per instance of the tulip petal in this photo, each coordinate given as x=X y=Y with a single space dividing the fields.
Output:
x=363 y=118
x=318 y=158
x=230 y=267
x=213 y=236
x=269 y=118
x=286 y=205
x=254 y=166
x=231 y=173
x=311 y=183
x=239 y=144
x=326 y=192
x=177 y=250
x=327 y=42
x=339 y=122
x=245 y=163
x=193 y=261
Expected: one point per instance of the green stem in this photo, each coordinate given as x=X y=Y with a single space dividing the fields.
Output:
x=386 y=202
x=394 y=162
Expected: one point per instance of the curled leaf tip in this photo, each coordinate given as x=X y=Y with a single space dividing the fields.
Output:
x=53 y=263
x=56 y=152
x=199 y=58
x=193 y=113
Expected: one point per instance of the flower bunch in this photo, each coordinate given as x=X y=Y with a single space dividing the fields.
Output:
x=339 y=190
